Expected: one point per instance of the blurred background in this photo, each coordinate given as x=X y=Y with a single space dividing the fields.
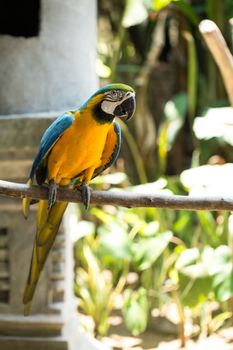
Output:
x=154 y=278
x=143 y=278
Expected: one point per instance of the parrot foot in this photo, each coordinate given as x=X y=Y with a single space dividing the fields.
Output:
x=85 y=194
x=52 y=193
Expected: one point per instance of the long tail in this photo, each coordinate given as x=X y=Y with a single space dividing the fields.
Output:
x=48 y=222
x=26 y=201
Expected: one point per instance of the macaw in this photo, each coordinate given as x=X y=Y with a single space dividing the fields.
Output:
x=75 y=148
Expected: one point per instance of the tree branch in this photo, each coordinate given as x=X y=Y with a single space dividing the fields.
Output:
x=221 y=53
x=124 y=198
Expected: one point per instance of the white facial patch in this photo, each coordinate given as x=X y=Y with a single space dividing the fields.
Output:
x=109 y=106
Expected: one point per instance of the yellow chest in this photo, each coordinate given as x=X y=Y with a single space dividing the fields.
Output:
x=78 y=149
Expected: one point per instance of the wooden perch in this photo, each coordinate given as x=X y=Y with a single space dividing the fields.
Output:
x=123 y=198
x=221 y=53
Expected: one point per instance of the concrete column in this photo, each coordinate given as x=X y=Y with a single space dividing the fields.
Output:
x=41 y=76
x=56 y=69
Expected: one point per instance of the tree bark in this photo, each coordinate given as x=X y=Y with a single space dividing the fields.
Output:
x=123 y=198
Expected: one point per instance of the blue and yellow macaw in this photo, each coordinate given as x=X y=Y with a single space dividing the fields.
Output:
x=74 y=149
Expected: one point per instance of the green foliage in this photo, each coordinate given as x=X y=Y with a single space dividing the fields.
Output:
x=221 y=126
x=183 y=5
x=194 y=276
x=135 y=310
x=114 y=243
x=160 y=4
x=135 y=13
x=147 y=251
x=200 y=273
x=174 y=116
x=218 y=321
x=180 y=257
x=222 y=273
x=94 y=290
x=188 y=11
x=199 y=266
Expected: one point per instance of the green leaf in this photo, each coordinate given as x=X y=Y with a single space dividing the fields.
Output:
x=173 y=120
x=195 y=282
x=92 y=264
x=187 y=257
x=102 y=70
x=203 y=272
x=104 y=324
x=174 y=113
x=84 y=228
x=163 y=146
x=212 y=180
x=160 y=4
x=228 y=9
x=176 y=108
x=112 y=179
x=114 y=243
x=222 y=273
x=208 y=224
x=216 y=122
x=188 y=11
x=193 y=292
x=150 y=229
x=218 y=321
x=147 y=251
x=103 y=216
x=192 y=73
x=135 y=310
x=183 y=225
x=155 y=187
x=194 y=264
x=183 y=5
x=135 y=13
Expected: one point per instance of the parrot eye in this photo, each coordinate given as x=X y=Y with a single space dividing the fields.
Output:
x=114 y=95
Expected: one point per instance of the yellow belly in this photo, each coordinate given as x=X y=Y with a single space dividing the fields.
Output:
x=78 y=151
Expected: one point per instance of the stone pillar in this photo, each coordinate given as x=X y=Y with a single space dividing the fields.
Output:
x=46 y=67
x=55 y=69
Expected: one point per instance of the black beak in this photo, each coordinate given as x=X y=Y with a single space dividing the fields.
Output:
x=126 y=109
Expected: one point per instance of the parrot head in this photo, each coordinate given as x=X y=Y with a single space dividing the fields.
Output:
x=113 y=100
x=118 y=100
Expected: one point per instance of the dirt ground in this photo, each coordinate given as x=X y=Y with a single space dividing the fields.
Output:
x=162 y=335
x=120 y=339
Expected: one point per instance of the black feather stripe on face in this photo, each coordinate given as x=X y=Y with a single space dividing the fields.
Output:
x=101 y=116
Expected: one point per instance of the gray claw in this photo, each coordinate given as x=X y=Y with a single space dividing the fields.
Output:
x=52 y=193
x=86 y=195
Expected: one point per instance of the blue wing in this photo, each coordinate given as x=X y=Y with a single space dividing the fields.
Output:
x=50 y=137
